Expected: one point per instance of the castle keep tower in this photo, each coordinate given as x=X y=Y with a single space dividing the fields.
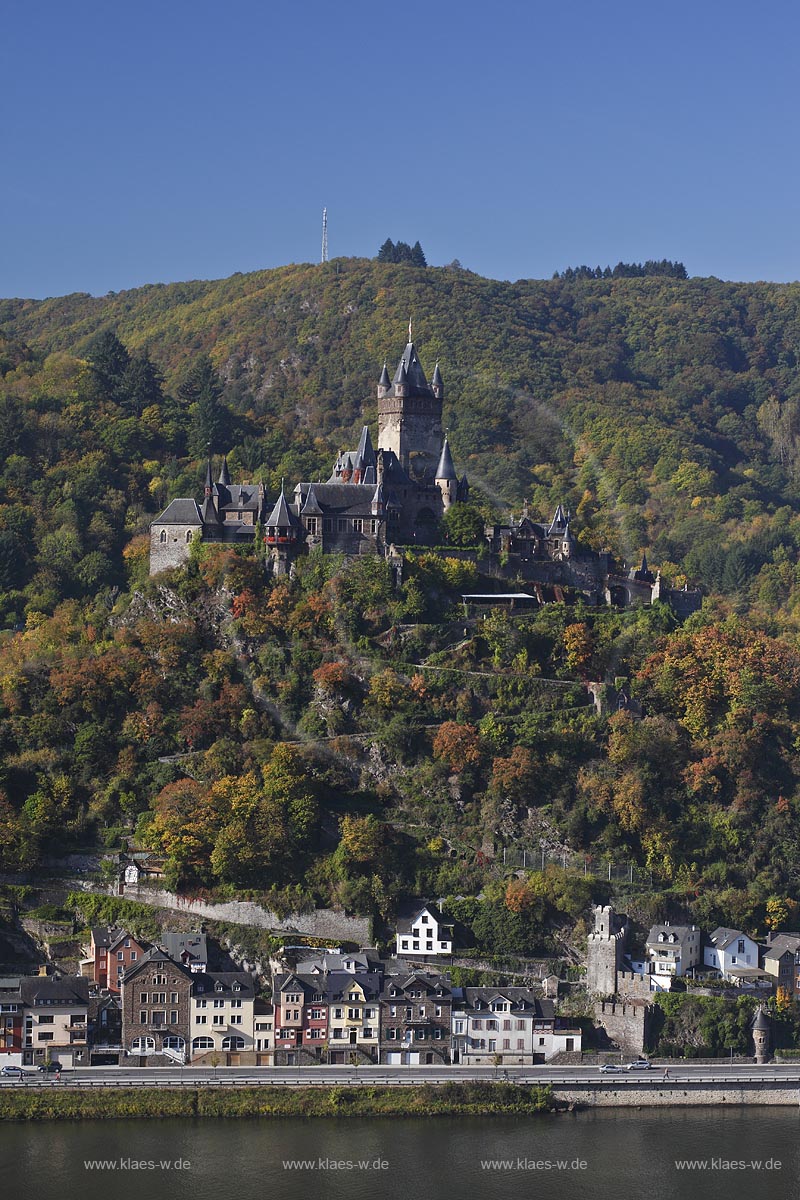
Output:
x=605 y=950
x=410 y=415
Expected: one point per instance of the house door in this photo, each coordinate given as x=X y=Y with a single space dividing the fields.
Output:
x=429 y=1058
x=291 y=1058
x=353 y=1037
x=234 y=1060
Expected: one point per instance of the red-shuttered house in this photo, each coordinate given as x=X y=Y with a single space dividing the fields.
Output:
x=301 y=1019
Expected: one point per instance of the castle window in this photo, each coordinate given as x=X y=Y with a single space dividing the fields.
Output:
x=358 y=524
x=373 y=526
x=188 y=535
x=163 y=536
x=311 y=524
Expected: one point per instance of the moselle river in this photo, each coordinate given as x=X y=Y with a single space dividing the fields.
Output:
x=608 y=1154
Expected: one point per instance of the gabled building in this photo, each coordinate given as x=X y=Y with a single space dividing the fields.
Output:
x=156 y=996
x=109 y=954
x=353 y=1016
x=55 y=1015
x=424 y=932
x=301 y=1018
x=222 y=1016
x=782 y=962
x=191 y=949
x=672 y=951
x=508 y=1026
x=415 y=1019
x=733 y=953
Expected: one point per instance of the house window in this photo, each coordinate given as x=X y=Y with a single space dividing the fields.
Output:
x=342 y=525
x=46 y=1020
x=236 y=1020
x=173 y=1042
x=173 y=1017
x=173 y=997
x=391 y=1035
x=358 y=524
x=373 y=526
x=520 y=1043
x=45 y=1037
x=202 y=1043
x=233 y=1043
x=133 y=956
x=311 y=524
x=506 y=1043
x=404 y=944
x=144 y=1045
x=143 y=1017
x=202 y=1020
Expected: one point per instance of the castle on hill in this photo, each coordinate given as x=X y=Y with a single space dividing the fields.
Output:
x=375 y=497
x=396 y=494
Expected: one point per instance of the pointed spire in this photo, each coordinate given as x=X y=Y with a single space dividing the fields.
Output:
x=280 y=517
x=378 y=504
x=446 y=468
x=311 y=505
x=643 y=567
x=208 y=511
x=437 y=383
x=384 y=380
x=365 y=454
x=208 y=487
x=224 y=473
x=559 y=520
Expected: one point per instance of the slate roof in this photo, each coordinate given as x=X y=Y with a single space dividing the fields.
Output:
x=70 y=989
x=781 y=943
x=406 y=919
x=205 y=984
x=721 y=938
x=193 y=945
x=338 y=499
x=446 y=468
x=281 y=517
x=209 y=512
x=409 y=372
x=154 y=957
x=339 y=982
x=521 y=999
x=180 y=512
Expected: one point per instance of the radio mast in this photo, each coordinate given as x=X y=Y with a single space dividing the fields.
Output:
x=324 y=235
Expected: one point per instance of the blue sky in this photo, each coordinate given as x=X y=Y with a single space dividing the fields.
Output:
x=149 y=142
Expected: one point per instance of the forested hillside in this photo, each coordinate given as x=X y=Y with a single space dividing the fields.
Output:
x=350 y=742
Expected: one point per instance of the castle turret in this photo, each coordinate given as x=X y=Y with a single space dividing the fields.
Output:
x=224 y=473
x=605 y=949
x=410 y=417
x=282 y=536
x=761 y=1032
x=437 y=383
x=446 y=478
x=384 y=383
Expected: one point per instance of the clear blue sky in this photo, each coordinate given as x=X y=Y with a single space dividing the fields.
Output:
x=182 y=139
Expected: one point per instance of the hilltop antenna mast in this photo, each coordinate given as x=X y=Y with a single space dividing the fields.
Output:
x=324 y=235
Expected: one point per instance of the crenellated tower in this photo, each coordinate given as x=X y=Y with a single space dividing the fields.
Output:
x=410 y=415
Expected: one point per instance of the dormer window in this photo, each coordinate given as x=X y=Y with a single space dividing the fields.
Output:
x=218 y=986
x=237 y=987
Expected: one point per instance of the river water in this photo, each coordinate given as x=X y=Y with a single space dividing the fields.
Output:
x=604 y=1155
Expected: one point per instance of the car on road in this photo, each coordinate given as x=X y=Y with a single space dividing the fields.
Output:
x=17 y=1072
x=51 y=1068
x=639 y=1064
x=609 y=1067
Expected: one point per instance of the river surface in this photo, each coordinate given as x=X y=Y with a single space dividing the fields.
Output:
x=604 y=1155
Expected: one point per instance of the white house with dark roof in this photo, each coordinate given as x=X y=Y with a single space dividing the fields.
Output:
x=222 y=1015
x=508 y=1026
x=425 y=932
x=672 y=950
x=733 y=953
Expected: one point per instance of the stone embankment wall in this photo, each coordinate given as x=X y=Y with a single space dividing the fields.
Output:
x=657 y=1093
x=320 y=923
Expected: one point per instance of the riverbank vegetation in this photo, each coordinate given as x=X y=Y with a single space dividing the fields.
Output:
x=429 y=1100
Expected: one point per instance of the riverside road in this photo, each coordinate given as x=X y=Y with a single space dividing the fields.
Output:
x=326 y=1076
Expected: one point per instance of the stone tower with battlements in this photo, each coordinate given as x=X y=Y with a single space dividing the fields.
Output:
x=605 y=950
x=410 y=416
